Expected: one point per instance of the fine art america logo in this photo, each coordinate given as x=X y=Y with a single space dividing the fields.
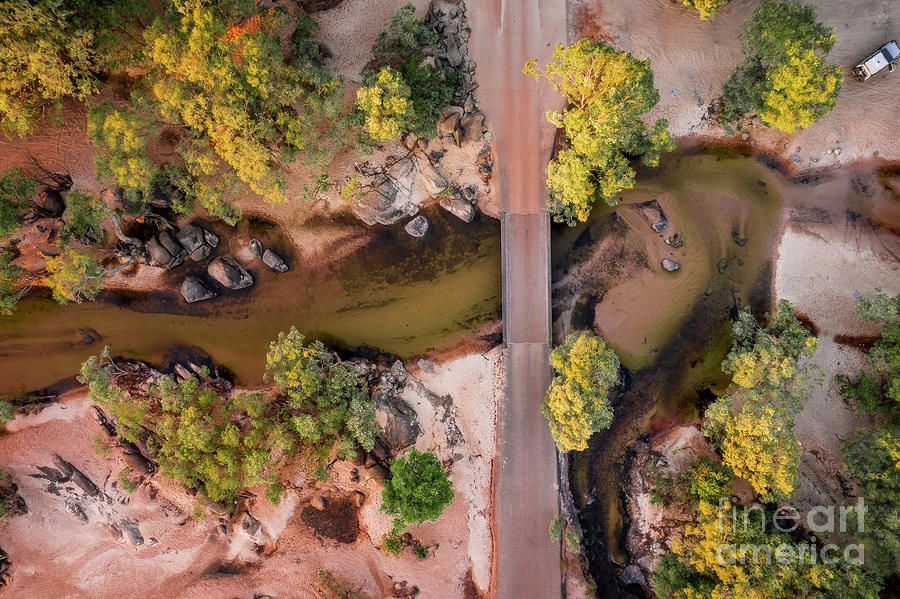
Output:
x=821 y=520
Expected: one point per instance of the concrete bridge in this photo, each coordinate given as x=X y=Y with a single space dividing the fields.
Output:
x=506 y=34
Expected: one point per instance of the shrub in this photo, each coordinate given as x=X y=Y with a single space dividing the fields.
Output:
x=16 y=190
x=706 y=8
x=74 y=276
x=83 y=218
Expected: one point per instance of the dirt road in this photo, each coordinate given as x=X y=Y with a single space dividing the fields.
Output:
x=506 y=34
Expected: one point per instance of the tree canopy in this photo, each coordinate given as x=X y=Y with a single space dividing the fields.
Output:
x=16 y=190
x=577 y=402
x=418 y=489
x=10 y=284
x=753 y=427
x=784 y=78
x=707 y=8
x=402 y=92
x=74 y=276
x=329 y=398
x=608 y=91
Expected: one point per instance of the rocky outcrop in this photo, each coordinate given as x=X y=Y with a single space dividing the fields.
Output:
x=396 y=418
x=417 y=226
x=458 y=206
x=229 y=273
x=196 y=241
x=274 y=261
x=193 y=289
x=49 y=203
x=165 y=250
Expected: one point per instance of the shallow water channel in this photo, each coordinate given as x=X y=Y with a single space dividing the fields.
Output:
x=401 y=295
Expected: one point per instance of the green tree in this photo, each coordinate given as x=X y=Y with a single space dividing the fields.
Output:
x=16 y=190
x=11 y=284
x=881 y=390
x=784 y=78
x=74 y=276
x=418 y=489
x=577 y=403
x=83 y=218
x=608 y=92
x=403 y=93
x=753 y=427
x=329 y=399
x=706 y=8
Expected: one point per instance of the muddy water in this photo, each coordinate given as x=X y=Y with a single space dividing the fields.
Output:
x=402 y=295
x=673 y=330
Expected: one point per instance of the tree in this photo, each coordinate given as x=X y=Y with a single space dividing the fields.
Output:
x=754 y=426
x=329 y=399
x=213 y=442
x=704 y=564
x=83 y=218
x=418 y=489
x=233 y=86
x=16 y=190
x=880 y=391
x=706 y=8
x=74 y=276
x=11 y=284
x=784 y=78
x=402 y=93
x=121 y=136
x=384 y=98
x=608 y=92
x=577 y=402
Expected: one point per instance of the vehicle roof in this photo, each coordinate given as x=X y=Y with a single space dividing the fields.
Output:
x=885 y=55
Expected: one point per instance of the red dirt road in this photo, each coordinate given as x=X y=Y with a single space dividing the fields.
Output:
x=506 y=34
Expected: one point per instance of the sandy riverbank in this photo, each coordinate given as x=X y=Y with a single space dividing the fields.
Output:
x=692 y=58
x=54 y=554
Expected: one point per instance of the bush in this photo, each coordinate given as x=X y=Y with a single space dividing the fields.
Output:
x=74 y=276
x=608 y=92
x=577 y=403
x=11 y=281
x=418 y=490
x=402 y=94
x=125 y=482
x=706 y=8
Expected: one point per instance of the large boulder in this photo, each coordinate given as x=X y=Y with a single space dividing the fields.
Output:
x=472 y=126
x=433 y=181
x=448 y=120
x=256 y=248
x=459 y=207
x=193 y=289
x=158 y=254
x=168 y=241
x=49 y=202
x=417 y=226
x=193 y=239
x=274 y=261
x=229 y=273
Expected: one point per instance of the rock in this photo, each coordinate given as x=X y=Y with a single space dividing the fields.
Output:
x=394 y=196
x=722 y=266
x=448 y=120
x=359 y=498
x=252 y=527
x=130 y=527
x=417 y=226
x=137 y=460
x=256 y=248
x=76 y=475
x=274 y=261
x=318 y=502
x=795 y=158
x=193 y=289
x=229 y=273
x=158 y=254
x=76 y=510
x=104 y=421
x=472 y=126
x=654 y=215
x=190 y=237
x=632 y=574
x=426 y=365
x=670 y=265
x=378 y=473
x=744 y=136
x=211 y=238
x=182 y=371
x=201 y=253
x=168 y=241
x=458 y=207
x=433 y=181
x=454 y=53
x=396 y=418
x=49 y=202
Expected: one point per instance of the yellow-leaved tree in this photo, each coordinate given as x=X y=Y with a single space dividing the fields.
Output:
x=577 y=402
x=753 y=427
